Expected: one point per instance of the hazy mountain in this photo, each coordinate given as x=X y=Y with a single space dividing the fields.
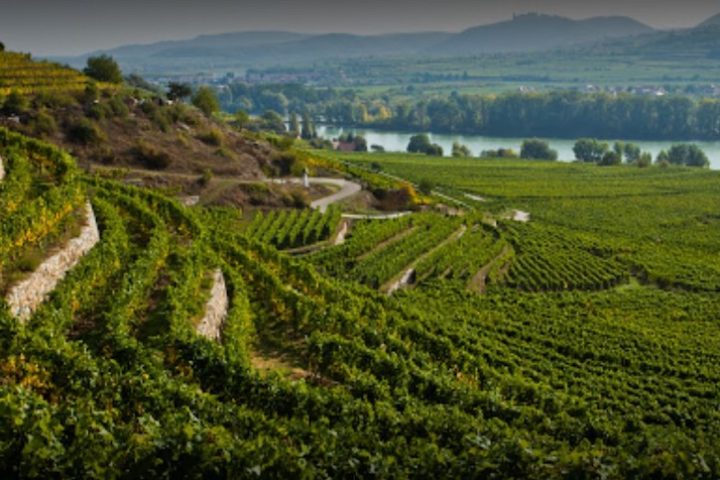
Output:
x=207 y=44
x=529 y=32
x=712 y=21
x=539 y=32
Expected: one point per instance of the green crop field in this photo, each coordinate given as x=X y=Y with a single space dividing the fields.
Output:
x=581 y=344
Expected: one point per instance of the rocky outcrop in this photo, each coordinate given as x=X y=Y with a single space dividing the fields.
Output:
x=25 y=297
x=216 y=309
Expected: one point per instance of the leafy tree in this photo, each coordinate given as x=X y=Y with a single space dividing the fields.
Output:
x=242 y=119
x=2 y=47
x=178 y=91
x=459 y=150
x=435 y=150
x=419 y=143
x=536 y=149
x=103 y=68
x=590 y=150
x=377 y=148
x=632 y=153
x=688 y=154
x=273 y=122
x=619 y=149
x=308 y=128
x=611 y=158
x=206 y=101
x=662 y=158
x=294 y=125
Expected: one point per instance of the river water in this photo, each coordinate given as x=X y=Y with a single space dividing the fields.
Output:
x=397 y=142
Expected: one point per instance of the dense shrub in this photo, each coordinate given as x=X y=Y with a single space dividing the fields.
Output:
x=151 y=157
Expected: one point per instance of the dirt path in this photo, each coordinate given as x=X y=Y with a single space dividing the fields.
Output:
x=478 y=283
x=407 y=273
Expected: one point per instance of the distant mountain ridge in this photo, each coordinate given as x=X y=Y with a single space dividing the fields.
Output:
x=540 y=32
x=523 y=33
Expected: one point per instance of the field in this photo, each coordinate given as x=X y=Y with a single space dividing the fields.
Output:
x=18 y=72
x=582 y=344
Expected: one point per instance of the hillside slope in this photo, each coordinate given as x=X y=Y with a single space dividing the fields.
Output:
x=538 y=32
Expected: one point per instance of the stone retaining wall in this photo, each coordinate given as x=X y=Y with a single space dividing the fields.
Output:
x=216 y=309
x=25 y=297
x=2 y=169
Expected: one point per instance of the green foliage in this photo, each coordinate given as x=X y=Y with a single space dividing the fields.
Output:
x=205 y=100
x=535 y=149
x=84 y=132
x=15 y=103
x=591 y=354
x=689 y=155
x=178 y=91
x=103 y=68
x=590 y=150
x=151 y=157
x=459 y=150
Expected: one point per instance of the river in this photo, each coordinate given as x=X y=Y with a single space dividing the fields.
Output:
x=393 y=141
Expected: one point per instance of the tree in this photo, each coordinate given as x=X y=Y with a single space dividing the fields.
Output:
x=294 y=129
x=273 y=122
x=632 y=153
x=178 y=91
x=103 y=68
x=242 y=118
x=610 y=158
x=435 y=150
x=687 y=154
x=662 y=158
x=619 y=149
x=589 y=150
x=459 y=150
x=2 y=47
x=308 y=128
x=206 y=101
x=535 y=149
x=419 y=143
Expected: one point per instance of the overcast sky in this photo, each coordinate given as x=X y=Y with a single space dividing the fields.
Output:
x=69 y=27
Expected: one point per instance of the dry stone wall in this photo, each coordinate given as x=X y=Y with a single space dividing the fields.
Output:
x=25 y=297
x=216 y=309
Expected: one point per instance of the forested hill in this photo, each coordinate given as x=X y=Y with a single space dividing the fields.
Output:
x=539 y=32
x=522 y=33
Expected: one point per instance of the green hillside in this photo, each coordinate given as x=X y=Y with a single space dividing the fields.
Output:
x=582 y=344
x=19 y=72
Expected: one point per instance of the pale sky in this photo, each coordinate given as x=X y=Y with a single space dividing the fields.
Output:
x=70 y=27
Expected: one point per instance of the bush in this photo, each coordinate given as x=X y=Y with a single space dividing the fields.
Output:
x=610 y=158
x=214 y=137
x=499 y=153
x=535 y=149
x=44 y=124
x=459 y=151
x=15 y=104
x=84 y=132
x=151 y=157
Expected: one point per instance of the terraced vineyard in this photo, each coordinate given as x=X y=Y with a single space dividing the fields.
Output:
x=19 y=73
x=295 y=228
x=312 y=373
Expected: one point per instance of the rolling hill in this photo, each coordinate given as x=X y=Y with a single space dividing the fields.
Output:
x=257 y=49
x=538 y=32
